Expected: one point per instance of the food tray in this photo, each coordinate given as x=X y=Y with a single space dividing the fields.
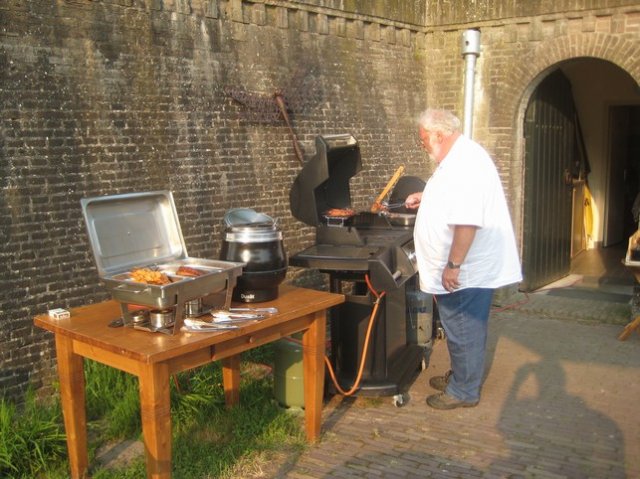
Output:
x=141 y=230
x=336 y=220
x=400 y=219
x=217 y=276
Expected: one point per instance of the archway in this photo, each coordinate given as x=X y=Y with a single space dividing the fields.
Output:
x=608 y=115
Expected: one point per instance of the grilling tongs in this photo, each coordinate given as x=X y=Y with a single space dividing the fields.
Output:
x=392 y=206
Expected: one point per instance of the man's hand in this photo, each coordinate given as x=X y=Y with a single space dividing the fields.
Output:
x=450 y=279
x=413 y=200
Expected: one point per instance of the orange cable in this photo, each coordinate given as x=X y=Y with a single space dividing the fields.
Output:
x=356 y=383
x=512 y=305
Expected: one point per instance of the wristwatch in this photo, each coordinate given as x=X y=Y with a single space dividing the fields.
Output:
x=452 y=265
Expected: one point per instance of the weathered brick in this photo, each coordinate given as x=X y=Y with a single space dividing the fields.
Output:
x=99 y=99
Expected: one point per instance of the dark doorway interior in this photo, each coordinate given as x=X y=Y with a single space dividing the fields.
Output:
x=624 y=184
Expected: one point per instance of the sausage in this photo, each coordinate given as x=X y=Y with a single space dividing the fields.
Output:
x=189 y=271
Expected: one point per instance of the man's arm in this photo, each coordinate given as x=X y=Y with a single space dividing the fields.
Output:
x=463 y=236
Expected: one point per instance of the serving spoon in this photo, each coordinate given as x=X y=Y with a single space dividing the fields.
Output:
x=223 y=316
x=254 y=310
x=195 y=325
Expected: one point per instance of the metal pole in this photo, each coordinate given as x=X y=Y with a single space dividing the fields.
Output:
x=470 y=51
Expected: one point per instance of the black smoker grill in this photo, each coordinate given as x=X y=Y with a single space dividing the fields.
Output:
x=348 y=249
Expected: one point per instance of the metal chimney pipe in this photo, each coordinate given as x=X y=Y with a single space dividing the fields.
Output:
x=470 y=51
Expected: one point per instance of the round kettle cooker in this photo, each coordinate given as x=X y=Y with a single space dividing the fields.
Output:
x=254 y=239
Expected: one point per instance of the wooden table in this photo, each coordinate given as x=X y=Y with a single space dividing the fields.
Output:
x=154 y=357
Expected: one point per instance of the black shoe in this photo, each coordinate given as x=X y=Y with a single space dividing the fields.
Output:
x=444 y=401
x=440 y=382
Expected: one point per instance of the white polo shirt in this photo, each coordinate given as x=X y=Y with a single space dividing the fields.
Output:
x=465 y=189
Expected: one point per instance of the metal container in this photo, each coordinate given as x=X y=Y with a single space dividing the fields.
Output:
x=141 y=230
x=288 y=372
x=259 y=245
x=193 y=307
x=401 y=219
x=140 y=316
x=161 y=318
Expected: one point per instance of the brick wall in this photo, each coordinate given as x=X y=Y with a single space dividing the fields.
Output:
x=455 y=13
x=518 y=49
x=113 y=96
x=109 y=97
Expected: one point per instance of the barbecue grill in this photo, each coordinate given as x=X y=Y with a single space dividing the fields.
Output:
x=353 y=249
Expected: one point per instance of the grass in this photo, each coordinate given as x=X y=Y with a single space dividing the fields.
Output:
x=30 y=438
x=209 y=441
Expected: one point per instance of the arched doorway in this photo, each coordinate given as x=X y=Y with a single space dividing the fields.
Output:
x=607 y=106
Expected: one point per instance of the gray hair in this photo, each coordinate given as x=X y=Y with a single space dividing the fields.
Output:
x=439 y=120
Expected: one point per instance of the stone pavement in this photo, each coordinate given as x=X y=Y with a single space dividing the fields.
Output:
x=560 y=400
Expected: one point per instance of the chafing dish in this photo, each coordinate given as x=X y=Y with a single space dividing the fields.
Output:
x=141 y=230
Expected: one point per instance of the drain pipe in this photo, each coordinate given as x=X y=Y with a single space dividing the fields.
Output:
x=470 y=52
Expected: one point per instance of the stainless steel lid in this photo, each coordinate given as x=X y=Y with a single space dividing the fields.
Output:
x=133 y=229
x=246 y=217
x=245 y=225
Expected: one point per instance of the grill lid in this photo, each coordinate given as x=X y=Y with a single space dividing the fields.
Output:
x=405 y=186
x=323 y=182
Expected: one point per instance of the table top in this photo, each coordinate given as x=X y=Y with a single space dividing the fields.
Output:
x=89 y=324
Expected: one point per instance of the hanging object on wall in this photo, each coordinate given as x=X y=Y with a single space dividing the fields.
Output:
x=299 y=95
x=277 y=96
x=588 y=214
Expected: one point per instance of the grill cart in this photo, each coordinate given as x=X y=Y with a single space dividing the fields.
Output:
x=364 y=254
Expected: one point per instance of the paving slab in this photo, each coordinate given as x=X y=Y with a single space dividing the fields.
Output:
x=560 y=400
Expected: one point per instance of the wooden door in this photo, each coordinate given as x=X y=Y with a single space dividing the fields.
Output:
x=550 y=167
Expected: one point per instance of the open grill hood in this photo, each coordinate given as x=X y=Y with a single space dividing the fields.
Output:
x=364 y=243
x=323 y=182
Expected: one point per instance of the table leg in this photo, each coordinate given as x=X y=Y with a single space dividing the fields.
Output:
x=72 y=395
x=313 y=352
x=155 y=407
x=231 y=380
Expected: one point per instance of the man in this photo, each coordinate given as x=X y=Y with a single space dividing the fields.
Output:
x=465 y=248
